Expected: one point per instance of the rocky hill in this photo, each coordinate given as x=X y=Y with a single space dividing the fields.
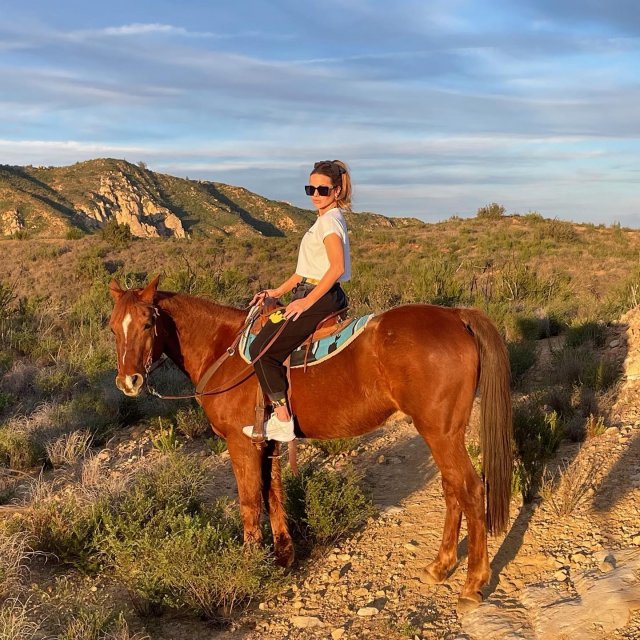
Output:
x=62 y=201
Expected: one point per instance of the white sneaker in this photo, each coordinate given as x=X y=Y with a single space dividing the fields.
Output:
x=275 y=429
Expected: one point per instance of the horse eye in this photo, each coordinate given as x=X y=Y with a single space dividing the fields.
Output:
x=148 y=326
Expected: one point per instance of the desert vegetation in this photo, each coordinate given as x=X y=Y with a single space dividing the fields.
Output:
x=553 y=288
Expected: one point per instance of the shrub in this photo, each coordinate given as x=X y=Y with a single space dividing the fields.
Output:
x=336 y=446
x=589 y=332
x=576 y=480
x=192 y=422
x=18 y=450
x=216 y=444
x=194 y=561
x=325 y=506
x=522 y=356
x=14 y=554
x=74 y=234
x=166 y=439
x=493 y=211
x=116 y=234
x=537 y=436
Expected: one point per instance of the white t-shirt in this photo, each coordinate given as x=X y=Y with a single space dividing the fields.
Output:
x=313 y=261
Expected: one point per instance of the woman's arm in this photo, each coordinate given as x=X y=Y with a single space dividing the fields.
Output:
x=285 y=287
x=335 y=253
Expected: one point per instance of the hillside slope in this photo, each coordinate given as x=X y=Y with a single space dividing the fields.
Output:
x=54 y=201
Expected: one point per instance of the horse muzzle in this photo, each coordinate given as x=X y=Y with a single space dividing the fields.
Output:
x=130 y=385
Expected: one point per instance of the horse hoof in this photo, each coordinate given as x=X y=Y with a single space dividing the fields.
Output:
x=285 y=557
x=468 y=603
x=430 y=576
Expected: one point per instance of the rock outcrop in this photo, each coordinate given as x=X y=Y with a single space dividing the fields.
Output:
x=120 y=199
x=10 y=222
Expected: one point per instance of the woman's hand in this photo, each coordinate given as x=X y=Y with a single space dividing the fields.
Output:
x=261 y=295
x=296 y=308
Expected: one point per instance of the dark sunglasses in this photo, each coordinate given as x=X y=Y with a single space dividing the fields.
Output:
x=322 y=190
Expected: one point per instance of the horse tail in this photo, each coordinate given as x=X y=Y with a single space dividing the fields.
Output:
x=496 y=427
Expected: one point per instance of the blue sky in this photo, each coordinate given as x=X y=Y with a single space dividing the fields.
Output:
x=439 y=107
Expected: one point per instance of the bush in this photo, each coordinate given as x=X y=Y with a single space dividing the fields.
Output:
x=116 y=234
x=593 y=333
x=537 y=436
x=18 y=450
x=493 y=211
x=522 y=356
x=192 y=422
x=336 y=446
x=580 y=365
x=576 y=480
x=325 y=506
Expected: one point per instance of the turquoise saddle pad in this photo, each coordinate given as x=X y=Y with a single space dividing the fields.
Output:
x=319 y=350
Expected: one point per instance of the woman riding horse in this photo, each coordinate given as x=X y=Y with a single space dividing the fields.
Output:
x=323 y=263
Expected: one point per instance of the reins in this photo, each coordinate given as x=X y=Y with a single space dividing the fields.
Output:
x=245 y=373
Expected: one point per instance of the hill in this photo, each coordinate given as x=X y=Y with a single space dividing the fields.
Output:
x=58 y=202
x=92 y=481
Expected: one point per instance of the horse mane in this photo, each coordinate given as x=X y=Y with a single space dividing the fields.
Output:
x=197 y=306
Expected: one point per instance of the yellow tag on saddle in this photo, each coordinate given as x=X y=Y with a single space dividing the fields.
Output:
x=277 y=316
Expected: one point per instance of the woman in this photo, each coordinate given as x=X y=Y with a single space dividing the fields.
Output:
x=323 y=263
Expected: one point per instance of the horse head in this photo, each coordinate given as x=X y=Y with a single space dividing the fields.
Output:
x=134 y=323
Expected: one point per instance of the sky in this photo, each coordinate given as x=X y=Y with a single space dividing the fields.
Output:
x=439 y=107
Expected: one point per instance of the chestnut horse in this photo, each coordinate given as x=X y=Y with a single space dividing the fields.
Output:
x=426 y=361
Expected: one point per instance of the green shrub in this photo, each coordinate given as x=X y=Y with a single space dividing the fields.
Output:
x=537 y=436
x=325 y=506
x=116 y=234
x=6 y=400
x=335 y=446
x=18 y=450
x=493 y=211
x=74 y=234
x=522 y=356
x=192 y=422
x=581 y=366
x=166 y=439
x=216 y=444
x=594 y=333
x=193 y=561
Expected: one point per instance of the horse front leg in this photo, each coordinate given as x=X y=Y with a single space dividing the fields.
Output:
x=246 y=460
x=273 y=495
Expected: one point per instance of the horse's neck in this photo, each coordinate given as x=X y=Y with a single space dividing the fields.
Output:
x=197 y=331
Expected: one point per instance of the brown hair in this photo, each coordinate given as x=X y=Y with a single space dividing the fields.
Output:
x=339 y=174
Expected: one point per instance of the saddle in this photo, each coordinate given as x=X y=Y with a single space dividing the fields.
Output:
x=326 y=327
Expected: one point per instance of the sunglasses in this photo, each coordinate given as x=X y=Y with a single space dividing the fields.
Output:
x=323 y=189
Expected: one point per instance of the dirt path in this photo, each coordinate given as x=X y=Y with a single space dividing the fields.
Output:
x=579 y=570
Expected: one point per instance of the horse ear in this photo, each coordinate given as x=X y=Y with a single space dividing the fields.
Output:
x=149 y=292
x=115 y=290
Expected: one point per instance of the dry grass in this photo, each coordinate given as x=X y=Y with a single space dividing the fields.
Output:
x=14 y=553
x=16 y=622
x=566 y=490
x=69 y=448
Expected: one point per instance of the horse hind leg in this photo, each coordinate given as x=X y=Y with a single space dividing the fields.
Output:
x=273 y=495
x=440 y=569
x=461 y=480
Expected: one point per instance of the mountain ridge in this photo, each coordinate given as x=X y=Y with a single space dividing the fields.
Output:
x=83 y=197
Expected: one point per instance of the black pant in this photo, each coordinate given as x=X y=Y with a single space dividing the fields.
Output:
x=271 y=372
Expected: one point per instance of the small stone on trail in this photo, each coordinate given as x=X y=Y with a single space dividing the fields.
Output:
x=306 y=622
x=366 y=612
